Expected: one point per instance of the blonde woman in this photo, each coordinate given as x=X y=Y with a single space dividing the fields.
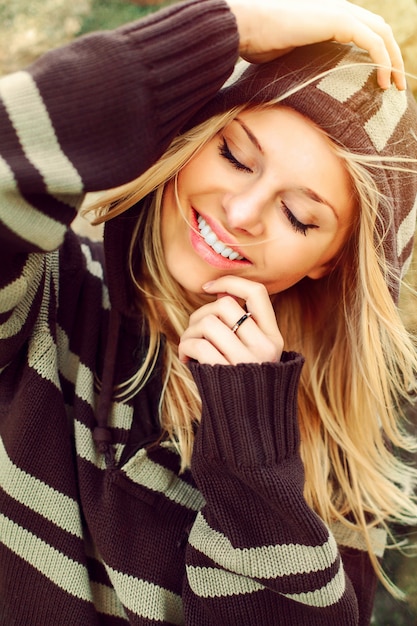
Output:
x=198 y=418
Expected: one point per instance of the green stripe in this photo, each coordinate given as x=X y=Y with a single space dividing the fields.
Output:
x=82 y=377
x=54 y=506
x=23 y=219
x=208 y=582
x=96 y=269
x=20 y=294
x=353 y=539
x=325 y=596
x=265 y=562
x=36 y=134
x=65 y=573
x=106 y=601
x=146 y=599
x=86 y=449
x=143 y=471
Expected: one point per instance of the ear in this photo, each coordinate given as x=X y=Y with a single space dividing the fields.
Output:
x=321 y=270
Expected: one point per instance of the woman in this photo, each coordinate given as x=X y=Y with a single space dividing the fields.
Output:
x=153 y=465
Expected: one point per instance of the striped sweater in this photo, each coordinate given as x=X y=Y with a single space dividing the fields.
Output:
x=133 y=541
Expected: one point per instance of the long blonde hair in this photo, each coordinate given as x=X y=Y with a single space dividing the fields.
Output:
x=360 y=360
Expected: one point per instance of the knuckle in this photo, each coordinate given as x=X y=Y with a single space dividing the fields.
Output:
x=271 y=354
x=271 y=350
x=207 y=322
x=384 y=28
x=192 y=318
x=259 y=290
x=225 y=303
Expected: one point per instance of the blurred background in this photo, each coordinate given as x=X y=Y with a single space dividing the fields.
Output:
x=30 y=27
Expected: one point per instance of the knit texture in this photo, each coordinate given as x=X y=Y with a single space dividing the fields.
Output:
x=83 y=540
x=341 y=95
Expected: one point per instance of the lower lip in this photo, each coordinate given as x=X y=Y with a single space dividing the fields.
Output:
x=207 y=253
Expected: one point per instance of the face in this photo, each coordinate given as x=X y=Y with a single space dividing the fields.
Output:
x=266 y=199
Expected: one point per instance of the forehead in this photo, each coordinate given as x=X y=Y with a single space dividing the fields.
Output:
x=301 y=153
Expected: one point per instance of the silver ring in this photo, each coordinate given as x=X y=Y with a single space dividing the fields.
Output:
x=240 y=321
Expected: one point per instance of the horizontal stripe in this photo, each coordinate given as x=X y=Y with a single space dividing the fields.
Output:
x=265 y=562
x=353 y=539
x=208 y=582
x=54 y=506
x=143 y=471
x=36 y=134
x=65 y=573
x=146 y=599
x=23 y=219
x=325 y=596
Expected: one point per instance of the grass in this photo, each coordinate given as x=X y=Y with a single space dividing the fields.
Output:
x=108 y=14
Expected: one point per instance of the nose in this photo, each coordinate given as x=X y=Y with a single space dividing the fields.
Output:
x=246 y=209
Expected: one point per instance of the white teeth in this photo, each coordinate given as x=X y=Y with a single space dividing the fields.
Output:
x=218 y=246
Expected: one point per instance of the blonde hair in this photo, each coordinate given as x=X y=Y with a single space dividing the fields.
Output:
x=360 y=360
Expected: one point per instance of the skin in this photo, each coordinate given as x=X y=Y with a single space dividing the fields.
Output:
x=270 y=186
x=269 y=28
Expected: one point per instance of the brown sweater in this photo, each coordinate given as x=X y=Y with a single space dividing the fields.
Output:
x=83 y=541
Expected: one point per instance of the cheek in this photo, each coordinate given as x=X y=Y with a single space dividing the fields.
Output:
x=202 y=170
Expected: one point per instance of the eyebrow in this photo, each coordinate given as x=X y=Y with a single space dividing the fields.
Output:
x=316 y=198
x=250 y=135
x=304 y=190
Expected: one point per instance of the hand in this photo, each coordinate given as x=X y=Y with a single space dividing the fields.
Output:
x=270 y=28
x=209 y=338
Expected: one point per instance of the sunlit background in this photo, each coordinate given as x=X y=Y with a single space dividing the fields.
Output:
x=30 y=27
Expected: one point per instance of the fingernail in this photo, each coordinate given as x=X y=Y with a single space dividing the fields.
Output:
x=208 y=285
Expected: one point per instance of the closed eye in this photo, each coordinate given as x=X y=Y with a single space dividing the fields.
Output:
x=298 y=226
x=227 y=154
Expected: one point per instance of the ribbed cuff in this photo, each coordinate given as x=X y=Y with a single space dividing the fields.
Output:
x=184 y=43
x=249 y=413
x=117 y=98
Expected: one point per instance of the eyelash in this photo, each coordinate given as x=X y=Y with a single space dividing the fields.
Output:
x=297 y=226
x=225 y=153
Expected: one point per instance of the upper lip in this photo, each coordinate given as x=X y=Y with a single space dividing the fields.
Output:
x=223 y=235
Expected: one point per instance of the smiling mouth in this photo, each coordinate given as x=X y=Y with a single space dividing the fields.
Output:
x=218 y=246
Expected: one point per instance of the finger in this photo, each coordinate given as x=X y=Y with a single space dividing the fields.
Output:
x=372 y=33
x=221 y=323
x=270 y=27
x=210 y=340
x=265 y=348
x=256 y=297
x=200 y=350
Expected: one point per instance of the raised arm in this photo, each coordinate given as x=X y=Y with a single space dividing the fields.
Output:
x=269 y=28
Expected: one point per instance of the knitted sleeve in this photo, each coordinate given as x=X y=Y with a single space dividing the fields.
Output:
x=90 y=116
x=256 y=550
